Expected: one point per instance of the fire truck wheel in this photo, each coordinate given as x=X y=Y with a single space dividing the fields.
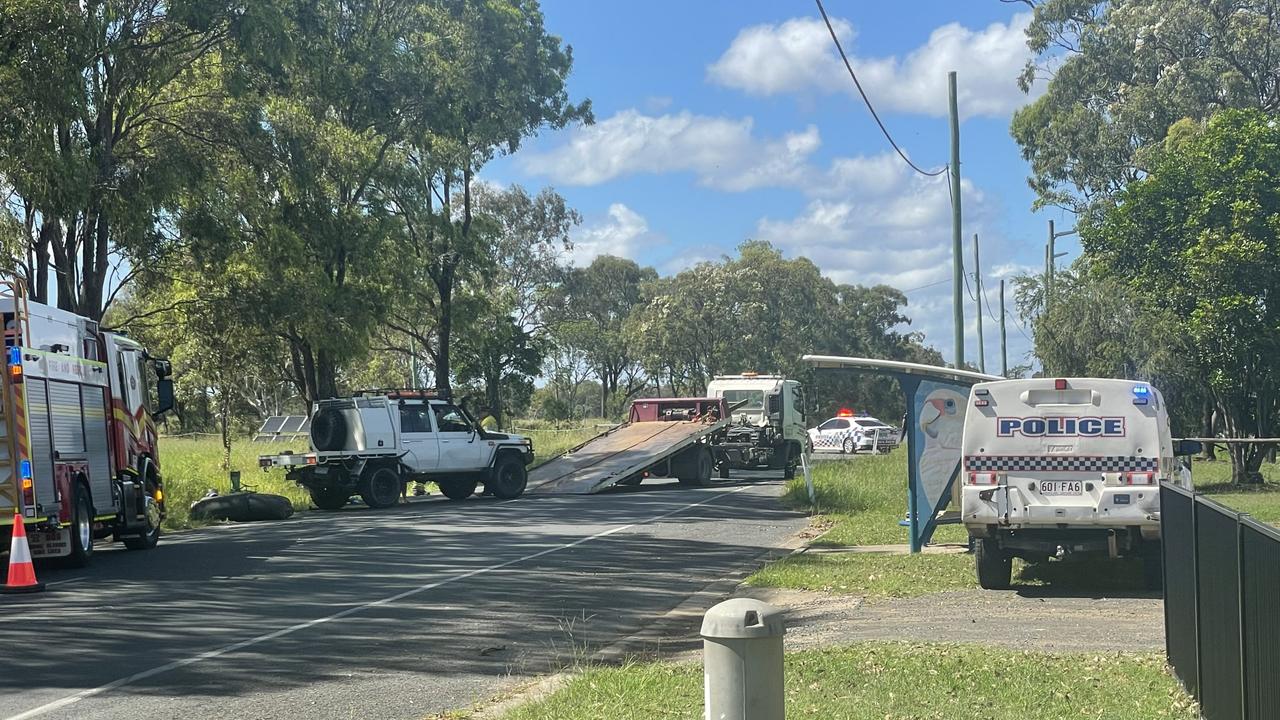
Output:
x=148 y=539
x=81 y=527
x=509 y=478
x=995 y=568
x=457 y=488
x=330 y=498
x=381 y=488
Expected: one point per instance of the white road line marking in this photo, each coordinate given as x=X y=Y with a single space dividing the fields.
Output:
x=219 y=652
x=64 y=582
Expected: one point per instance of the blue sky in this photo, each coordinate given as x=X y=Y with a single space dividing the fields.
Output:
x=721 y=121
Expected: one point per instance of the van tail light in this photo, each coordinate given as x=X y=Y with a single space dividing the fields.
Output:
x=982 y=478
x=1139 y=478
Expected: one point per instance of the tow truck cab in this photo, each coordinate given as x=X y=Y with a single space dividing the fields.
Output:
x=1061 y=467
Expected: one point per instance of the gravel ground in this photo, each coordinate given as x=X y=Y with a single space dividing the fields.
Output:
x=1025 y=619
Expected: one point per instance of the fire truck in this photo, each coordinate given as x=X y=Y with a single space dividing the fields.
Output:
x=78 y=456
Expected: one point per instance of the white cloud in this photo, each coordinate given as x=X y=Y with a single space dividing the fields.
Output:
x=722 y=153
x=623 y=232
x=798 y=56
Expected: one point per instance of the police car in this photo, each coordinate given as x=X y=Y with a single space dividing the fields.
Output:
x=1063 y=467
x=849 y=434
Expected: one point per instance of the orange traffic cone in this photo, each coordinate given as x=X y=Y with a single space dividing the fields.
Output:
x=22 y=574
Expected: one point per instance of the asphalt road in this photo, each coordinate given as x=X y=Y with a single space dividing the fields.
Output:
x=398 y=613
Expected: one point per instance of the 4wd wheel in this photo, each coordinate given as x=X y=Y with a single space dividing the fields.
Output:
x=697 y=469
x=81 y=526
x=329 y=498
x=151 y=534
x=380 y=488
x=995 y=568
x=328 y=430
x=508 y=478
x=849 y=447
x=457 y=489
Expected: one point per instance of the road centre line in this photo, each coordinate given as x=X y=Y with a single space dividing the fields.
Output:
x=219 y=652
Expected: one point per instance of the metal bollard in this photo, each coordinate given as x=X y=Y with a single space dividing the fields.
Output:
x=742 y=661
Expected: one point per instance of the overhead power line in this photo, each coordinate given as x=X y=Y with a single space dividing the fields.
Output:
x=867 y=100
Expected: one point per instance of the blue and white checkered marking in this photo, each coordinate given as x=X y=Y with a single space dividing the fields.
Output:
x=1061 y=463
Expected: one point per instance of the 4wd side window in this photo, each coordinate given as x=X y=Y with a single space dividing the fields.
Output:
x=415 y=419
x=450 y=419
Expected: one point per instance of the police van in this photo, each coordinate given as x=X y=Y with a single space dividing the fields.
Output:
x=1061 y=467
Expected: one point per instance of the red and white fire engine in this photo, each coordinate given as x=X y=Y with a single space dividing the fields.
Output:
x=78 y=437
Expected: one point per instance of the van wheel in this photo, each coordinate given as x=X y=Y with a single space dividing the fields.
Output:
x=81 y=527
x=381 y=488
x=330 y=498
x=457 y=489
x=995 y=568
x=1152 y=566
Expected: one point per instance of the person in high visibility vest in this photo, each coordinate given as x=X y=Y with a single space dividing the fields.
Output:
x=487 y=420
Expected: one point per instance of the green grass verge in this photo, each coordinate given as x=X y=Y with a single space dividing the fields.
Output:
x=869 y=575
x=1261 y=501
x=896 y=681
x=192 y=466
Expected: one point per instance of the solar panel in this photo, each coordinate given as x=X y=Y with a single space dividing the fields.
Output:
x=273 y=424
x=306 y=427
x=293 y=424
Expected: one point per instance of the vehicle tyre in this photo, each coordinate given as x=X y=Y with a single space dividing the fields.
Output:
x=328 y=430
x=723 y=471
x=457 y=489
x=849 y=447
x=380 y=488
x=151 y=534
x=698 y=466
x=508 y=477
x=793 y=460
x=81 y=526
x=1152 y=567
x=995 y=568
x=330 y=498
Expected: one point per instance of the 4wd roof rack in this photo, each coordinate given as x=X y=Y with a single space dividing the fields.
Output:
x=407 y=393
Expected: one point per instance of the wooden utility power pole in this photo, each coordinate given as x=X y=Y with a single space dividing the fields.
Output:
x=1004 y=352
x=977 y=283
x=957 y=241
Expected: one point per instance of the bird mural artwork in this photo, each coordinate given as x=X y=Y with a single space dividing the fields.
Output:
x=941 y=420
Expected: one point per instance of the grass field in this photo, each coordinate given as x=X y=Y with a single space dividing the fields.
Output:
x=896 y=681
x=1261 y=501
x=192 y=466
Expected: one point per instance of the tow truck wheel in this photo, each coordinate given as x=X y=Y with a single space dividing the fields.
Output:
x=793 y=459
x=381 y=488
x=849 y=447
x=509 y=478
x=330 y=498
x=995 y=568
x=151 y=535
x=697 y=470
x=81 y=527
x=457 y=489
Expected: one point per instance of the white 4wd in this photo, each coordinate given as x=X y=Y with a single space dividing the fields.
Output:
x=372 y=444
x=1066 y=466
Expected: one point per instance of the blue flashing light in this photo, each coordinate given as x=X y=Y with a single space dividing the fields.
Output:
x=24 y=469
x=1141 y=390
x=15 y=356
